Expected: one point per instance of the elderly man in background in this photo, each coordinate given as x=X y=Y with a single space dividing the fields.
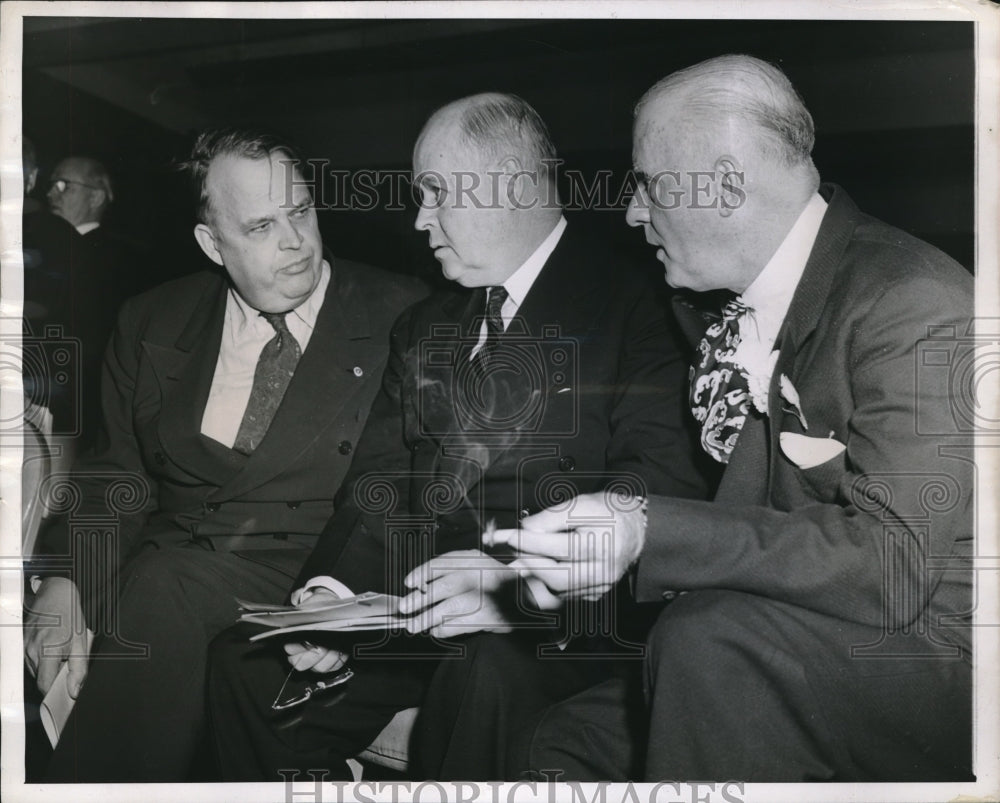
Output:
x=817 y=625
x=547 y=365
x=80 y=192
x=231 y=403
x=76 y=277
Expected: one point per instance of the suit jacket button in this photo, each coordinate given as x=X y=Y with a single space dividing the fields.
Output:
x=567 y=463
x=212 y=507
x=160 y=458
x=293 y=505
x=668 y=596
x=344 y=447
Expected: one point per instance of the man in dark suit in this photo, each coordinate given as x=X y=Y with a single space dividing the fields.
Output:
x=818 y=617
x=232 y=402
x=546 y=369
x=76 y=277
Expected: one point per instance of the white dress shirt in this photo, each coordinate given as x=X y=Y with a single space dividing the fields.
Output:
x=244 y=334
x=770 y=296
x=520 y=281
x=86 y=228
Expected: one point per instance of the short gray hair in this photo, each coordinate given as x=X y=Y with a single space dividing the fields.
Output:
x=494 y=122
x=750 y=90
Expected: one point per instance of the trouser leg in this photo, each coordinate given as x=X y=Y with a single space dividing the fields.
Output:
x=142 y=717
x=255 y=743
x=482 y=707
x=740 y=686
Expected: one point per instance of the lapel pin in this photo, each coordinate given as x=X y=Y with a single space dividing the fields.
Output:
x=358 y=371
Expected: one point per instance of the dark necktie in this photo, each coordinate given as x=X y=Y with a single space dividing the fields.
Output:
x=494 y=324
x=719 y=389
x=270 y=381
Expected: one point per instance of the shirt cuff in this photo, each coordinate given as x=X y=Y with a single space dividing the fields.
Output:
x=323 y=581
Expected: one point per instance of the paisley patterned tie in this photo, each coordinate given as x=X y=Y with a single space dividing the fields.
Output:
x=275 y=367
x=720 y=397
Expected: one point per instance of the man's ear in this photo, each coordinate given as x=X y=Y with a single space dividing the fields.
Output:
x=206 y=239
x=730 y=179
x=99 y=201
x=516 y=182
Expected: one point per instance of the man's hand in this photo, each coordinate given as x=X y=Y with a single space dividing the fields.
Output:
x=465 y=591
x=580 y=550
x=54 y=631
x=306 y=655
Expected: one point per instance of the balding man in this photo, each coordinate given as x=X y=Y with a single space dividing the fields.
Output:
x=546 y=368
x=76 y=277
x=80 y=192
x=819 y=622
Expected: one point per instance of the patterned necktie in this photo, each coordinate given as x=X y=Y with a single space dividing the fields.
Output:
x=275 y=367
x=494 y=324
x=719 y=390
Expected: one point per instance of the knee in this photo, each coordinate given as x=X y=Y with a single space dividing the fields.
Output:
x=159 y=573
x=227 y=651
x=489 y=653
x=693 y=632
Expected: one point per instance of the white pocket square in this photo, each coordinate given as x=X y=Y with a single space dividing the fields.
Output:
x=808 y=452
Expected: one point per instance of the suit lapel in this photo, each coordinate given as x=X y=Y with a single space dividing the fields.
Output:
x=810 y=299
x=749 y=474
x=564 y=302
x=443 y=388
x=564 y=292
x=185 y=373
x=324 y=382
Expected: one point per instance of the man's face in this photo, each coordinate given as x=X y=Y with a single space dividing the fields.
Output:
x=679 y=219
x=262 y=228
x=80 y=201
x=462 y=208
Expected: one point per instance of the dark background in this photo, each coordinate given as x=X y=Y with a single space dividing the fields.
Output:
x=892 y=101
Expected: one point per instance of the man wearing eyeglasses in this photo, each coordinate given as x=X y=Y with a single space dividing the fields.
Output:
x=77 y=275
x=80 y=192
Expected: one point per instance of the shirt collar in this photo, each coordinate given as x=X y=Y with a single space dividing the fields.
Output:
x=86 y=228
x=307 y=311
x=520 y=281
x=770 y=294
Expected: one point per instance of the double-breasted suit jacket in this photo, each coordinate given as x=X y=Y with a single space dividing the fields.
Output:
x=157 y=375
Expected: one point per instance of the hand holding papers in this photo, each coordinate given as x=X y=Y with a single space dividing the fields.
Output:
x=369 y=611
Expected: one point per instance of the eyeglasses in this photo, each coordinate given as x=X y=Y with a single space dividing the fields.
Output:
x=297 y=689
x=61 y=184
